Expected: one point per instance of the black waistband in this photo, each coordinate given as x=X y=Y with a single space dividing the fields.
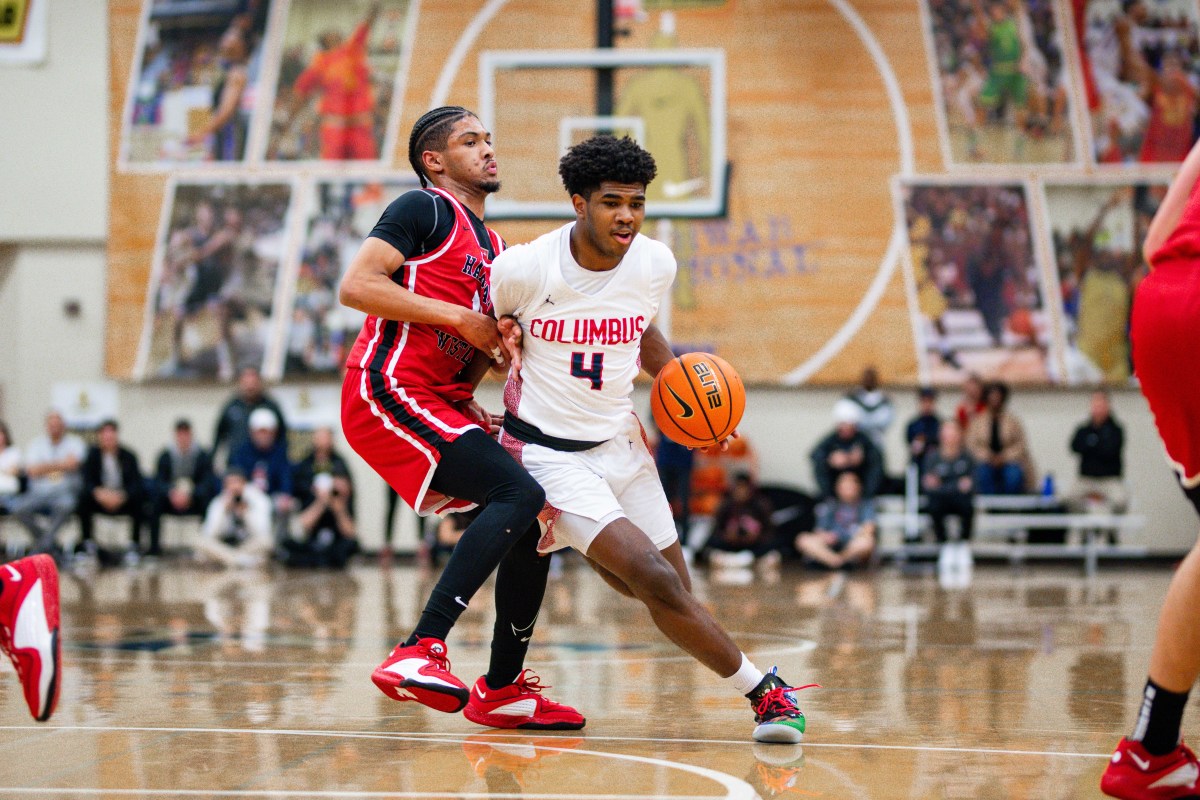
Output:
x=532 y=434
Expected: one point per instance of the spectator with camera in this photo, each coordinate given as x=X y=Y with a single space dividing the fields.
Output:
x=237 y=525
x=183 y=482
x=328 y=533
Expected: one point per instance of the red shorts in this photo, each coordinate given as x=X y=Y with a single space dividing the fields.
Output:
x=398 y=430
x=1165 y=331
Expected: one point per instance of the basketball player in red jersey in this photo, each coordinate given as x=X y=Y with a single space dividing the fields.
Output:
x=1153 y=762
x=342 y=75
x=408 y=410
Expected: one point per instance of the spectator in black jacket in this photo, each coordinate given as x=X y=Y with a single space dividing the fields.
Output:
x=949 y=482
x=1099 y=443
x=233 y=425
x=847 y=449
x=112 y=486
x=323 y=459
x=742 y=530
x=183 y=482
x=922 y=431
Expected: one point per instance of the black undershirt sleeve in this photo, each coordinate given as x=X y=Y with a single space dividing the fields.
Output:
x=415 y=223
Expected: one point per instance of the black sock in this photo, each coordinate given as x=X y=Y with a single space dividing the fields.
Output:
x=520 y=587
x=474 y=467
x=1159 y=720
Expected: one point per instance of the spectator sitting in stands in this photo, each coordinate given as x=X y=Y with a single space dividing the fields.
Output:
x=847 y=449
x=263 y=460
x=948 y=480
x=323 y=459
x=922 y=431
x=183 y=482
x=997 y=442
x=875 y=408
x=1099 y=443
x=10 y=469
x=237 y=526
x=845 y=532
x=233 y=424
x=327 y=526
x=742 y=531
x=972 y=404
x=52 y=463
x=113 y=486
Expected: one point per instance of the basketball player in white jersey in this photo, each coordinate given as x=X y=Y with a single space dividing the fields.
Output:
x=581 y=300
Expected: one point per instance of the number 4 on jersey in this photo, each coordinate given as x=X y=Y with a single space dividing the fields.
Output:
x=594 y=373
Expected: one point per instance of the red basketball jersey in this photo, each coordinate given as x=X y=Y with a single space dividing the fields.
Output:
x=417 y=354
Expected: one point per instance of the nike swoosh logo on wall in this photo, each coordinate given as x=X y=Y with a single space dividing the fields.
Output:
x=688 y=413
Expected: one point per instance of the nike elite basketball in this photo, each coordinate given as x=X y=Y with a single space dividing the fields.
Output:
x=697 y=399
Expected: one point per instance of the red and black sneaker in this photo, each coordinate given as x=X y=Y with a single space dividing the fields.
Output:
x=1134 y=774
x=29 y=630
x=421 y=672
x=520 y=705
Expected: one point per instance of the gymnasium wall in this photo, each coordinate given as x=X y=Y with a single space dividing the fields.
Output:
x=38 y=278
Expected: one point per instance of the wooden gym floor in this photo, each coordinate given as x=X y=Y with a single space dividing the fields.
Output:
x=188 y=683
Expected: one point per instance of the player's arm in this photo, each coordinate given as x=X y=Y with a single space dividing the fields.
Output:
x=368 y=287
x=655 y=350
x=1168 y=214
x=514 y=284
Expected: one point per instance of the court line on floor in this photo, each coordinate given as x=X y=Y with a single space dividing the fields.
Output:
x=456 y=737
x=735 y=788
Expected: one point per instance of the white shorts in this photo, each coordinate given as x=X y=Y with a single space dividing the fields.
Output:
x=587 y=490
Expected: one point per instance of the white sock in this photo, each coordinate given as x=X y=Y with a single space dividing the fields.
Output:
x=746 y=678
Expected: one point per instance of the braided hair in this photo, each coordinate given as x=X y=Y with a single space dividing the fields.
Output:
x=431 y=132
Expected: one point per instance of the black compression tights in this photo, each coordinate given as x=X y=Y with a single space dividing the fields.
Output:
x=475 y=467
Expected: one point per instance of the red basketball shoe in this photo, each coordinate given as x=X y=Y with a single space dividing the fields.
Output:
x=1134 y=774
x=29 y=629
x=422 y=673
x=520 y=705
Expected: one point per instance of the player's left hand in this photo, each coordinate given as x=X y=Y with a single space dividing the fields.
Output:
x=510 y=340
x=489 y=422
x=721 y=446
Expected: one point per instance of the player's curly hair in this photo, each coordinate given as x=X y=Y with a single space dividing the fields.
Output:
x=432 y=132
x=605 y=158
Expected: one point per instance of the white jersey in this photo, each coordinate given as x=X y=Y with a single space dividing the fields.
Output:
x=581 y=349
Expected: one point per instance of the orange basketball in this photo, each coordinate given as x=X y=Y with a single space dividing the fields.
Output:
x=697 y=399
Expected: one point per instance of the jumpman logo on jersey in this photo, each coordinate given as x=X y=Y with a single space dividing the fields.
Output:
x=548 y=300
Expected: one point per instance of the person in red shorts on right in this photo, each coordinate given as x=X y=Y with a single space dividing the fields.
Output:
x=1153 y=762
